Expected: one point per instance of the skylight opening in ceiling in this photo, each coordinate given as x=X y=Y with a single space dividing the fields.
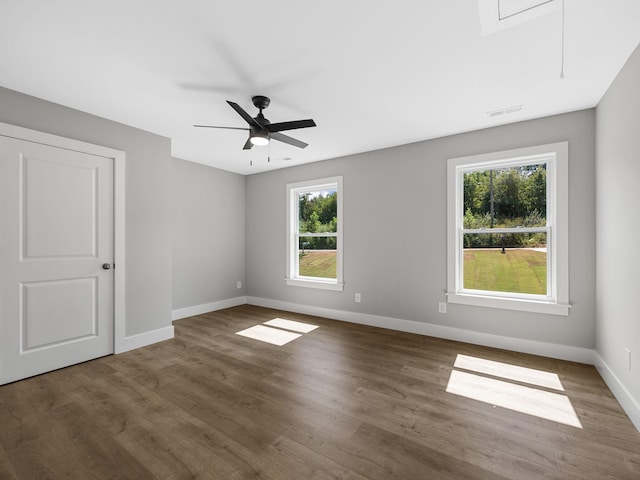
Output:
x=509 y=8
x=496 y=15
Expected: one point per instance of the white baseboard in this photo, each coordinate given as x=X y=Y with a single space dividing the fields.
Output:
x=562 y=352
x=185 y=312
x=630 y=405
x=147 y=338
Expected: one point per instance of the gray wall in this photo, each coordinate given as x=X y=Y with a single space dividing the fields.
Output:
x=208 y=234
x=399 y=264
x=148 y=185
x=618 y=203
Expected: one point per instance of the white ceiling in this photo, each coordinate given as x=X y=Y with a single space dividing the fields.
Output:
x=372 y=74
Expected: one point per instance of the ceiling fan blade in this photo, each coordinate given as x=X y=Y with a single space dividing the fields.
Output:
x=248 y=144
x=281 y=126
x=247 y=118
x=226 y=128
x=286 y=139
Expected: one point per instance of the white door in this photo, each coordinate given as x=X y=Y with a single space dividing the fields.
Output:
x=56 y=232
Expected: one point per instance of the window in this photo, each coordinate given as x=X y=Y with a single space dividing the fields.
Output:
x=508 y=229
x=314 y=246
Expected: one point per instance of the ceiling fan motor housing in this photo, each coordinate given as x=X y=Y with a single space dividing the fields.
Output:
x=260 y=101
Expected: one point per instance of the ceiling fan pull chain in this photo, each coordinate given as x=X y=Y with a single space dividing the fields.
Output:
x=562 y=65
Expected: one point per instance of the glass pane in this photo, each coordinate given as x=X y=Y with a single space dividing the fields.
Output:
x=318 y=211
x=514 y=263
x=506 y=197
x=317 y=257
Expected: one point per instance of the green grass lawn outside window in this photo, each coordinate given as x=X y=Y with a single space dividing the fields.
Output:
x=318 y=263
x=518 y=270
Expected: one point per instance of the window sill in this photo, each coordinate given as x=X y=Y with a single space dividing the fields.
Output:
x=314 y=283
x=550 y=308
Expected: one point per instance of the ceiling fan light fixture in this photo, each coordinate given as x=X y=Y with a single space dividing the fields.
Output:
x=259 y=138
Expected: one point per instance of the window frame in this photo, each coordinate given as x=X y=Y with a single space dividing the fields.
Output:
x=293 y=278
x=556 y=301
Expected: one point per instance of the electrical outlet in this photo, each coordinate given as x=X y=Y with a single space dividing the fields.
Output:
x=239 y=284
x=628 y=358
x=358 y=298
x=442 y=307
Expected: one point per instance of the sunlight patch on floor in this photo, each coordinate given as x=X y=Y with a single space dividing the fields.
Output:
x=291 y=325
x=270 y=335
x=532 y=401
x=495 y=383
x=281 y=335
x=510 y=372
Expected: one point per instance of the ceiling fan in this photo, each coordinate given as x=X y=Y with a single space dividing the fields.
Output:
x=262 y=130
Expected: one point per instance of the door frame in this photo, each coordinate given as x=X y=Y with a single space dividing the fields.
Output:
x=118 y=156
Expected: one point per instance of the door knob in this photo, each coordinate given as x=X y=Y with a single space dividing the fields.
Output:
x=106 y=266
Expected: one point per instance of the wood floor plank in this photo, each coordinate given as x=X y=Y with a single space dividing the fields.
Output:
x=344 y=401
x=96 y=452
x=406 y=459
x=157 y=451
x=40 y=450
x=309 y=463
x=6 y=470
x=598 y=467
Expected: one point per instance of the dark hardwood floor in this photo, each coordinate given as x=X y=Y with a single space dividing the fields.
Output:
x=341 y=402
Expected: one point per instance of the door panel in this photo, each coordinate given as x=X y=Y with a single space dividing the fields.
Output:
x=56 y=306
x=57 y=312
x=58 y=212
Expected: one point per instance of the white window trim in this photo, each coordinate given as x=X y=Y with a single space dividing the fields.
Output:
x=556 y=156
x=292 y=278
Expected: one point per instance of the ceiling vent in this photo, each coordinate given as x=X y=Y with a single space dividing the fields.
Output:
x=505 y=111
